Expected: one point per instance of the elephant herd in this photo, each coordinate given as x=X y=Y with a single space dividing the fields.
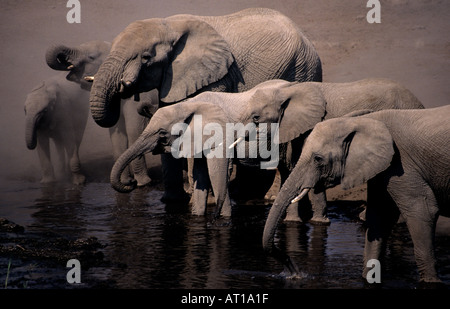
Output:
x=253 y=77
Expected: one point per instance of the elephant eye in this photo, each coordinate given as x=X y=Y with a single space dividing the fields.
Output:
x=320 y=160
x=256 y=118
x=146 y=56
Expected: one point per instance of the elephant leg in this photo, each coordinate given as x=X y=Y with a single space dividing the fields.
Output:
x=381 y=215
x=218 y=169
x=201 y=187
x=134 y=125
x=74 y=161
x=190 y=172
x=299 y=211
x=43 y=150
x=172 y=173
x=119 y=141
x=418 y=207
x=318 y=200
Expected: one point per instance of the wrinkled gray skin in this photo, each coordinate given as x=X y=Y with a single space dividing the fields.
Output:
x=214 y=107
x=299 y=106
x=403 y=155
x=57 y=110
x=183 y=55
x=84 y=61
x=158 y=138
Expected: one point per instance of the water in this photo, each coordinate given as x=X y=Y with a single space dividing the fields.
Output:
x=145 y=244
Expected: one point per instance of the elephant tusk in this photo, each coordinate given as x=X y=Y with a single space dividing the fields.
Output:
x=235 y=143
x=70 y=67
x=300 y=196
x=126 y=83
x=89 y=78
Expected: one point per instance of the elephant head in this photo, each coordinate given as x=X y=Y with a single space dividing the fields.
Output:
x=81 y=62
x=178 y=56
x=38 y=104
x=175 y=129
x=296 y=110
x=347 y=151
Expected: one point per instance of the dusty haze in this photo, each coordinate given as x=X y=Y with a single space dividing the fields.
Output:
x=411 y=46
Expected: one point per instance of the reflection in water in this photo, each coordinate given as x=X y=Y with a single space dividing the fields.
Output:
x=149 y=245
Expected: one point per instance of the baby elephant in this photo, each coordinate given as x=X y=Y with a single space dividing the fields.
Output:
x=58 y=110
x=403 y=155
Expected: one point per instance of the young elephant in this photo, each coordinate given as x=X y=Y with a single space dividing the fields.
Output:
x=81 y=63
x=298 y=107
x=57 y=110
x=403 y=155
x=179 y=130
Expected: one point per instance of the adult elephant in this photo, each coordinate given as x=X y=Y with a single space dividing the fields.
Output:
x=183 y=55
x=298 y=107
x=403 y=155
x=57 y=110
x=81 y=63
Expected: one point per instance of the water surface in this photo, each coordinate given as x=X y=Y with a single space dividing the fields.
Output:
x=146 y=244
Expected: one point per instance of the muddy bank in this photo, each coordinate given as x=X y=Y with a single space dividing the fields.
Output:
x=39 y=260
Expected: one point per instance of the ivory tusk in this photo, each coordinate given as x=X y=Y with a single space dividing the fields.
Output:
x=89 y=78
x=70 y=67
x=235 y=142
x=300 y=196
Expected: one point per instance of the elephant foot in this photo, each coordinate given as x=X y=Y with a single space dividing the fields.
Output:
x=292 y=214
x=142 y=180
x=78 y=179
x=292 y=218
x=270 y=198
x=320 y=220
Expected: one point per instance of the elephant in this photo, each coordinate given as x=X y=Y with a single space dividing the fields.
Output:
x=225 y=112
x=82 y=62
x=57 y=110
x=161 y=134
x=298 y=107
x=183 y=55
x=403 y=155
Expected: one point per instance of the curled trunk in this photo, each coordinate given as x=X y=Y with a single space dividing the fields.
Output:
x=30 y=131
x=60 y=57
x=105 y=96
x=137 y=149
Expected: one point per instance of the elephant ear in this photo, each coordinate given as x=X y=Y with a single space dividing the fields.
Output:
x=303 y=106
x=369 y=149
x=200 y=57
x=206 y=122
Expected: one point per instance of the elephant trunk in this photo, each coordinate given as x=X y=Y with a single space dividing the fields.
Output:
x=60 y=57
x=142 y=145
x=284 y=198
x=300 y=180
x=31 y=131
x=105 y=97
